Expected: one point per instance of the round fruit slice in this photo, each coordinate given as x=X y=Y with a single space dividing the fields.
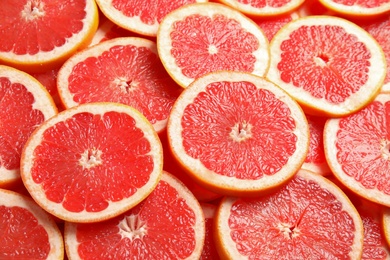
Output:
x=329 y=65
x=123 y=70
x=237 y=133
x=200 y=38
x=380 y=30
x=24 y=104
x=386 y=225
x=27 y=231
x=310 y=217
x=359 y=8
x=357 y=149
x=37 y=35
x=92 y=162
x=315 y=160
x=264 y=7
x=140 y=17
x=168 y=224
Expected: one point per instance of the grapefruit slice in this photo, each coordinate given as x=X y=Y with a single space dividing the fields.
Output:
x=92 y=162
x=108 y=30
x=237 y=133
x=357 y=150
x=200 y=38
x=140 y=17
x=168 y=224
x=209 y=250
x=329 y=65
x=309 y=218
x=124 y=70
x=24 y=104
x=264 y=8
x=27 y=231
x=358 y=8
x=315 y=160
x=380 y=30
x=37 y=35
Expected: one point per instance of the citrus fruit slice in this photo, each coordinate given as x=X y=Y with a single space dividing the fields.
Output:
x=209 y=250
x=380 y=30
x=309 y=218
x=143 y=18
x=108 y=30
x=237 y=133
x=92 y=162
x=271 y=25
x=168 y=224
x=315 y=160
x=37 y=35
x=26 y=230
x=125 y=70
x=313 y=7
x=357 y=149
x=200 y=38
x=360 y=8
x=329 y=65
x=264 y=7
x=24 y=104
x=386 y=225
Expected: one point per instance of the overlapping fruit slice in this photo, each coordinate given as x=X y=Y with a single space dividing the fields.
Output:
x=357 y=149
x=125 y=70
x=37 y=35
x=237 y=133
x=168 y=224
x=24 y=105
x=329 y=65
x=309 y=218
x=205 y=37
x=359 y=8
x=27 y=231
x=264 y=8
x=92 y=162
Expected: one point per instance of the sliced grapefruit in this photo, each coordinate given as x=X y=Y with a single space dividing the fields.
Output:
x=264 y=8
x=24 y=104
x=357 y=149
x=237 y=133
x=27 y=231
x=209 y=250
x=380 y=30
x=92 y=162
x=140 y=17
x=315 y=160
x=125 y=70
x=359 y=8
x=309 y=218
x=329 y=65
x=200 y=38
x=108 y=30
x=168 y=224
x=37 y=35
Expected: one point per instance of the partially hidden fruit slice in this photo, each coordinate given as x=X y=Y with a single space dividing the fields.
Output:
x=264 y=8
x=310 y=217
x=358 y=8
x=315 y=160
x=92 y=162
x=24 y=105
x=168 y=224
x=37 y=35
x=209 y=250
x=357 y=149
x=200 y=38
x=140 y=17
x=380 y=30
x=386 y=225
x=125 y=70
x=329 y=65
x=237 y=133
x=108 y=30
x=27 y=231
